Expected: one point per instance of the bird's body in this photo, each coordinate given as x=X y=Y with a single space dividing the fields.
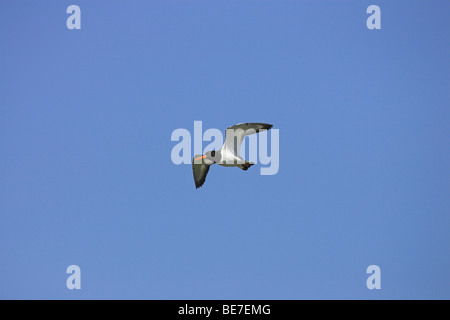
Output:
x=228 y=159
x=228 y=155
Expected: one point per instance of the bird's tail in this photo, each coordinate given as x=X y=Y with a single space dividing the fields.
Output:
x=246 y=165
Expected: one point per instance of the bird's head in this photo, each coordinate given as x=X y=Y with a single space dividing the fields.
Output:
x=210 y=157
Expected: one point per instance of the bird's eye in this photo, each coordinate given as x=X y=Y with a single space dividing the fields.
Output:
x=213 y=153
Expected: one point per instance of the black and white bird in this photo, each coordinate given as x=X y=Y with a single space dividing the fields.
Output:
x=228 y=155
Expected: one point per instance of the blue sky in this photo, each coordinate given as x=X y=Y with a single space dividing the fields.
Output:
x=86 y=176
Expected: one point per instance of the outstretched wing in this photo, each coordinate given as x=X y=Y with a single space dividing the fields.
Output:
x=234 y=135
x=200 y=170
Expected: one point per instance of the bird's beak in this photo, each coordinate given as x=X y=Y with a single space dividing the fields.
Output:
x=200 y=158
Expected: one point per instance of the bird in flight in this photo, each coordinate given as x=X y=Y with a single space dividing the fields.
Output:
x=228 y=155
